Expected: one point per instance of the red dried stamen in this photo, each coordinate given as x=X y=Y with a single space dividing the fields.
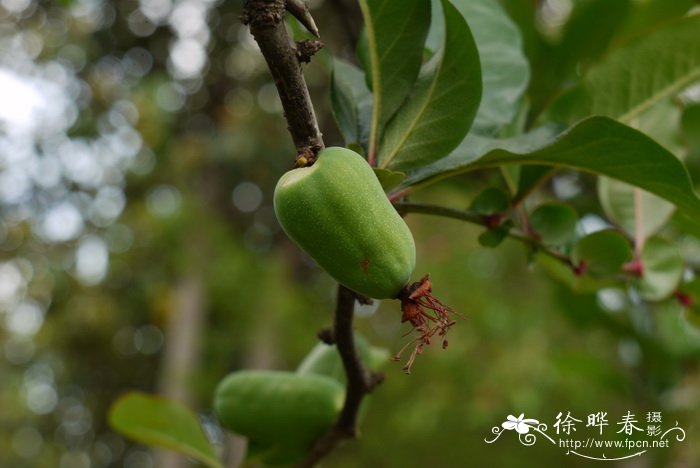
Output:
x=427 y=315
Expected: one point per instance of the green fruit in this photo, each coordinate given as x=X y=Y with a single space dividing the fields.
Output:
x=281 y=410
x=337 y=212
x=324 y=359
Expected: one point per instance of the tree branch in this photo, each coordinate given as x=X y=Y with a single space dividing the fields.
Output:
x=266 y=21
x=360 y=382
x=475 y=218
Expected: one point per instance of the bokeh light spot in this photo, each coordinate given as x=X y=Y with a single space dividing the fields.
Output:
x=247 y=197
x=163 y=201
x=91 y=260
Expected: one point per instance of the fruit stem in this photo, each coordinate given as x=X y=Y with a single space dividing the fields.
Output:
x=360 y=382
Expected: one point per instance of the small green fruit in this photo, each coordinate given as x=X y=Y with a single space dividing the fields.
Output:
x=337 y=212
x=324 y=359
x=284 y=411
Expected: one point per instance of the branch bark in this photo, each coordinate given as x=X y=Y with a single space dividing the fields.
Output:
x=266 y=21
x=475 y=218
x=360 y=382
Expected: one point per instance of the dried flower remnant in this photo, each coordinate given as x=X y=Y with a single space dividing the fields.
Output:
x=428 y=316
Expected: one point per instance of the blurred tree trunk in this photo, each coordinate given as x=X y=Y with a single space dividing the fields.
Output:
x=261 y=354
x=181 y=354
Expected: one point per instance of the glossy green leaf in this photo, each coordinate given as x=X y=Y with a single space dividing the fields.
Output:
x=164 y=423
x=504 y=69
x=662 y=122
x=490 y=201
x=363 y=57
x=389 y=179
x=395 y=33
x=691 y=129
x=589 y=30
x=442 y=105
x=351 y=103
x=603 y=253
x=622 y=207
x=474 y=147
x=599 y=145
x=554 y=223
x=637 y=75
x=662 y=269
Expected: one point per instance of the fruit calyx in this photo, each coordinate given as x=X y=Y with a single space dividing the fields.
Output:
x=428 y=316
x=307 y=156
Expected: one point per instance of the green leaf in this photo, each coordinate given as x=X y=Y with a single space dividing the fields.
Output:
x=662 y=269
x=691 y=129
x=351 y=103
x=663 y=123
x=490 y=201
x=531 y=177
x=691 y=301
x=495 y=236
x=389 y=179
x=555 y=223
x=161 y=422
x=589 y=30
x=636 y=75
x=565 y=275
x=363 y=57
x=618 y=201
x=603 y=252
x=395 y=33
x=598 y=145
x=442 y=105
x=651 y=12
x=692 y=316
x=475 y=146
x=504 y=69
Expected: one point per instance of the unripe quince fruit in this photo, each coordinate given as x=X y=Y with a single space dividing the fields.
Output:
x=337 y=212
x=281 y=413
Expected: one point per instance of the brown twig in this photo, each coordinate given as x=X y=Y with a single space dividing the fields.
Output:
x=360 y=382
x=266 y=21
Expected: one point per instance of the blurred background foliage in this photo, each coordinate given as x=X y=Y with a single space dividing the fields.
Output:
x=140 y=142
